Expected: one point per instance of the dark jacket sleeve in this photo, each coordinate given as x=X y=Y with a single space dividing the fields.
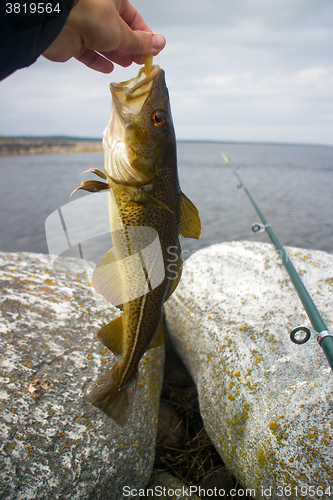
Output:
x=24 y=36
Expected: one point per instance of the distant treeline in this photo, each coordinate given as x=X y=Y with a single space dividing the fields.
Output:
x=10 y=146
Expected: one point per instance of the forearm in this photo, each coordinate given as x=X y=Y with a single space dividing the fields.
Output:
x=23 y=40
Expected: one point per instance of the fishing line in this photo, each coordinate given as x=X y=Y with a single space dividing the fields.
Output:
x=301 y=334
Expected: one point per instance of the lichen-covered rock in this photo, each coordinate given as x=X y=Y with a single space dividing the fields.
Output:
x=53 y=443
x=266 y=402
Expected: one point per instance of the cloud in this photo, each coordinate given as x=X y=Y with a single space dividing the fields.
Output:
x=241 y=70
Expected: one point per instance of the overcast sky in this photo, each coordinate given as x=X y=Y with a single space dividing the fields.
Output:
x=237 y=70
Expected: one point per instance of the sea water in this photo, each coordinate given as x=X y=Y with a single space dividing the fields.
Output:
x=292 y=185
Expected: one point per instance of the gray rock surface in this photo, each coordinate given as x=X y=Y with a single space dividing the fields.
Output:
x=266 y=403
x=164 y=486
x=53 y=443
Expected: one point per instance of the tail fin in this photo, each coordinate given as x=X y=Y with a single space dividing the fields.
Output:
x=116 y=403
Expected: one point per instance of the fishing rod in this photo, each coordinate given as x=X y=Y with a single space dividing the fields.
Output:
x=301 y=334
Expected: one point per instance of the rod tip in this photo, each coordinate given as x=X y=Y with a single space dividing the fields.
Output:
x=225 y=158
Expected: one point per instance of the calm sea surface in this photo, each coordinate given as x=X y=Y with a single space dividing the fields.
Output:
x=293 y=185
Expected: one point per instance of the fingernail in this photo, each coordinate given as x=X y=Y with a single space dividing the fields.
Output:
x=158 y=42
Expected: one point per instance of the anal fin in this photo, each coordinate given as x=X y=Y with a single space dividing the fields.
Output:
x=112 y=336
x=106 y=279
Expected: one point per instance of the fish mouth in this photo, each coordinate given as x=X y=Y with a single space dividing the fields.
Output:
x=127 y=99
x=129 y=96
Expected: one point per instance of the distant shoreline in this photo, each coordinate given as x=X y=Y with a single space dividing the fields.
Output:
x=17 y=147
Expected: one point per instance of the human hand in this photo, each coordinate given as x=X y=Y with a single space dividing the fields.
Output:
x=113 y=28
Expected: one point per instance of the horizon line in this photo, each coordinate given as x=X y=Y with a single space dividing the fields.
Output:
x=214 y=141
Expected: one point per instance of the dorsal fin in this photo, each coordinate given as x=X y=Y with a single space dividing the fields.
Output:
x=112 y=336
x=158 y=338
x=190 y=225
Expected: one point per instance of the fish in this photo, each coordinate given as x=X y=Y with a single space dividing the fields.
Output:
x=148 y=212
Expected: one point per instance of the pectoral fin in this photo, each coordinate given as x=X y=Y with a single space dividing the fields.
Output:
x=147 y=199
x=92 y=186
x=112 y=336
x=106 y=279
x=190 y=225
x=158 y=338
x=141 y=197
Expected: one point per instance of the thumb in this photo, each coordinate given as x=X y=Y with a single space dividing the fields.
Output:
x=142 y=42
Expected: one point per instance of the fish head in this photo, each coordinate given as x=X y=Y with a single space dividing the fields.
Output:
x=140 y=138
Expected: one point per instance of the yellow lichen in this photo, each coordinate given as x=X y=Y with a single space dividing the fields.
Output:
x=273 y=426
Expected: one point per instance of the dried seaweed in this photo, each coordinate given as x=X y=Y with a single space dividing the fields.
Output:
x=192 y=458
x=197 y=457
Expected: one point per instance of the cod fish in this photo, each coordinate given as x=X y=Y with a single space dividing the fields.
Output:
x=148 y=212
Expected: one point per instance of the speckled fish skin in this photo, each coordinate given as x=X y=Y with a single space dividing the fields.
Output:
x=144 y=192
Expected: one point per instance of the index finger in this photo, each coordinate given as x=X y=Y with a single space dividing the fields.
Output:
x=133 y=19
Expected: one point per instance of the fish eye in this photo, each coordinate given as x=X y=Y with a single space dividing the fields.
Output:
x=159 y=119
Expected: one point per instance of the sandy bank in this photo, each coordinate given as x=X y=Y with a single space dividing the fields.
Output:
x=11 y=147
